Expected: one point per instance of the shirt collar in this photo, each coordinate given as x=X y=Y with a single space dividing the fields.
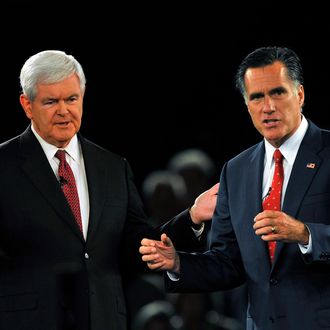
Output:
x=290 y=147
x=72 y=148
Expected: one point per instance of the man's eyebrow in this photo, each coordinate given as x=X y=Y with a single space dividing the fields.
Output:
x=256 y=95
x=277 y=90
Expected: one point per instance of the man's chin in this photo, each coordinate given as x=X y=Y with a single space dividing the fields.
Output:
x=63 y=140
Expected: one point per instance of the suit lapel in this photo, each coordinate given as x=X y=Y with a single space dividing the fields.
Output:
x=304 y=169
x=254 y=196
x=37 y=169
x=96 y=173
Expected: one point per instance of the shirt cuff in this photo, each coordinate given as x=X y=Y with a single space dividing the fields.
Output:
x=173 y=276
x=199 y=232
x=306 y=248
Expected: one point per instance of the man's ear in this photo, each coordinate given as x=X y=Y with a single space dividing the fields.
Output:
x=26 y=105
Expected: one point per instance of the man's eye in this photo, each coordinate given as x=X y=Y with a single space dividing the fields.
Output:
x=49 y=102
x=72 y=99
x=278 y=92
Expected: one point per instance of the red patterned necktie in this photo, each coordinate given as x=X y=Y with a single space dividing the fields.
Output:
x=68 y=185
x=273 y=199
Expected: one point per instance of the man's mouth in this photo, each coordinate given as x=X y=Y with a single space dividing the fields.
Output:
x=270 y=123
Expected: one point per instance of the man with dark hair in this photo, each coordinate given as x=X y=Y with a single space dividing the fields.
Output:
x=271 y=226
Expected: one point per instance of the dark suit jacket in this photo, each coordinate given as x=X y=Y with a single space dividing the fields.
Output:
x=294 y=293
x=50 y=277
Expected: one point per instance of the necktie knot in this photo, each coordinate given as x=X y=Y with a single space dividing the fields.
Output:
x=278 y=157
x=60 y=154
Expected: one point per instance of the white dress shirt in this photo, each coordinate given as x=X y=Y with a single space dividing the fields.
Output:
x=289 y=150
x=76 y=161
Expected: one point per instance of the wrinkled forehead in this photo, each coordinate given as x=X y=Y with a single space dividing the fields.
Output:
x=266 y=78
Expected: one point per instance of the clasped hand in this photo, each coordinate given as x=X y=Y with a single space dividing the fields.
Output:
x=279 y=226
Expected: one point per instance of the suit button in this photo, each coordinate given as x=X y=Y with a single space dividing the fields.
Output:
x=86 y=255
x=273 y=281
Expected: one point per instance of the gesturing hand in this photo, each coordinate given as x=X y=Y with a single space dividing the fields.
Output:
x=160 y=255
x=204 y=205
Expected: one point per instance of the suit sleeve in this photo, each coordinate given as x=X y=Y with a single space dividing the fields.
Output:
x=220 y=267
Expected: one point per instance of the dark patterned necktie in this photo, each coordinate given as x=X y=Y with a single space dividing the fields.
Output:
x=68 y=185
x=273 y=200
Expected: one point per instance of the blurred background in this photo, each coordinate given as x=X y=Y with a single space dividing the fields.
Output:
x=160 y=92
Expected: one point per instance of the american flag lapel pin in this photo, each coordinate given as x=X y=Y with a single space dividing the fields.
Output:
x=310 y=165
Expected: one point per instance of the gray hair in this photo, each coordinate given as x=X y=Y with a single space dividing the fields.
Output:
x=48 y=67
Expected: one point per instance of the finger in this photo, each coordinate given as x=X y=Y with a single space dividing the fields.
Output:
x=147 y=250
x=150 y=258
x=267 y=214
x=214 y=189
x=269 y=237
x=147 y=242
x=261 y=223
x=166 y=240
x=267 y=230
x=156 y=265
x=259 y=216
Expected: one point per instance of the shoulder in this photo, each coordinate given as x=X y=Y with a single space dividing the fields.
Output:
x=97 y=154
x=248 y=154
x=326 y=136
x=10 y=155
x=11 y=147
x=316 y=138
x=13 y=143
